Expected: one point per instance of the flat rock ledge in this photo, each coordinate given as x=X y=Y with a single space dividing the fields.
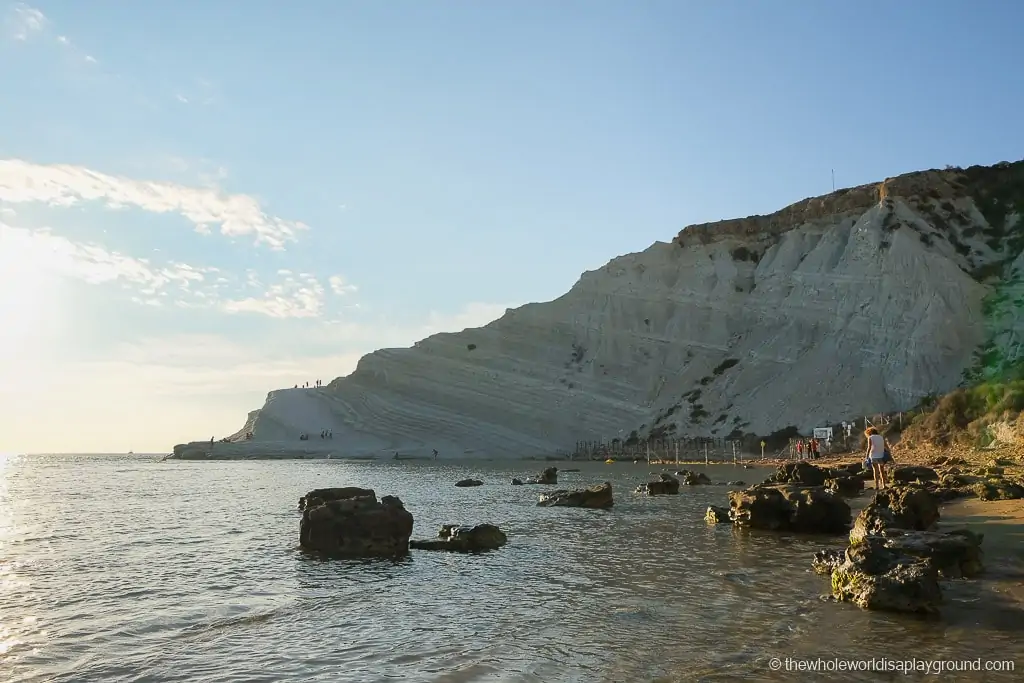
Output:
x=598 y=496
x=455 y=538
x=351 y=522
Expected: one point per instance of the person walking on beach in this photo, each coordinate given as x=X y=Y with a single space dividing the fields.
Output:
x=800 y=449
x=878 y=455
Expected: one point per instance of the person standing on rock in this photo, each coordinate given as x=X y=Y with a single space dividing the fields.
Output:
x=877 y=454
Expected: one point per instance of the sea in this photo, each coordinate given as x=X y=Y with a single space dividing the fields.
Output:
x=133 y=568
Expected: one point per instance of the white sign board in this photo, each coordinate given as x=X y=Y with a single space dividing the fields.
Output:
x=823 y=433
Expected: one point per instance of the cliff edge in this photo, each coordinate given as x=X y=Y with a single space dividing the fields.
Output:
x=860 y=301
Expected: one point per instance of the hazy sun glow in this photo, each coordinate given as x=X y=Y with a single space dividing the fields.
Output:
x=28 y=305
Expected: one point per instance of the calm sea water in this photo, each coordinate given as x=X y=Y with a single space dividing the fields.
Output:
x=121 y=568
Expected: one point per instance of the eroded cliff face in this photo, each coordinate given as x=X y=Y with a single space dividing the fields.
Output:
x=861 y=301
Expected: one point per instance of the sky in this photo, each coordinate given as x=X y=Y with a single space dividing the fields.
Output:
x=204 y=201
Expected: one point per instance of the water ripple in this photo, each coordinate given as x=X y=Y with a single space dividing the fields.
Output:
x=129 y=569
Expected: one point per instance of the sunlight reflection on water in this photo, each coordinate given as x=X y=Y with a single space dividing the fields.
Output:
x=117 y=568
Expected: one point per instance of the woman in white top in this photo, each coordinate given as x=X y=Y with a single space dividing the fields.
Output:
x=877 y=454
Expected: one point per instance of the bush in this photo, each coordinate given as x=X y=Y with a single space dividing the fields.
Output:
x=964 y=414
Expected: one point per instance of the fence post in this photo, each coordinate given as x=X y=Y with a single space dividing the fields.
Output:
x=677 y=452
x=706 y=453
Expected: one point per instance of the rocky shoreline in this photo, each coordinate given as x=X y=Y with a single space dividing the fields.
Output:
x=897 y=559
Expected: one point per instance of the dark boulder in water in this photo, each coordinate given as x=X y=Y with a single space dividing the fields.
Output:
x=790 y=508
x=597 y=496
x=717 y=515
x=462 y=483
x=907 y=508
x=464 y=539
x=799 y=473
x=876 y=577
x=351 y=522
x=548 y=476
x=691 y=478
x=665 y=485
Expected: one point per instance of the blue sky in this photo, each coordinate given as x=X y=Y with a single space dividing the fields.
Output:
x=180 y=182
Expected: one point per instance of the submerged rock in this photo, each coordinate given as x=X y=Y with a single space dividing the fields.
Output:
x=353 y=523
x=790 y=508
x=464 y=539
x=736 y=483
x=691 y=478
x=666 y=485
x=597 y=496
x=717 y=515
x=469 y=482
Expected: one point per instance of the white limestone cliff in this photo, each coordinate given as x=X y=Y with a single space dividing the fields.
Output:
x=861 y=301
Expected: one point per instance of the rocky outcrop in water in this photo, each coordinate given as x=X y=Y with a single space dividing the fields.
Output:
x=717 y=515
x=875 y=295
x=907 y=508
x=691 y=478
x=876 y=577
x=351 y=522
x=463 y=483
x=787 y=507
x=802 y=473
x=666 y=484
x=597 y=496
x=464 y=539
x=895 y=560
x=548 y=476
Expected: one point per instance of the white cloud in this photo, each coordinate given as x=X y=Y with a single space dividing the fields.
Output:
x=64 y=185
x=24 y=22
x=91 y=263
x=180 y=284
x=340 y=287
x=294 y=297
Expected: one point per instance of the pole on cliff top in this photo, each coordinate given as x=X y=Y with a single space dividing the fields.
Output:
x=833 y=180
